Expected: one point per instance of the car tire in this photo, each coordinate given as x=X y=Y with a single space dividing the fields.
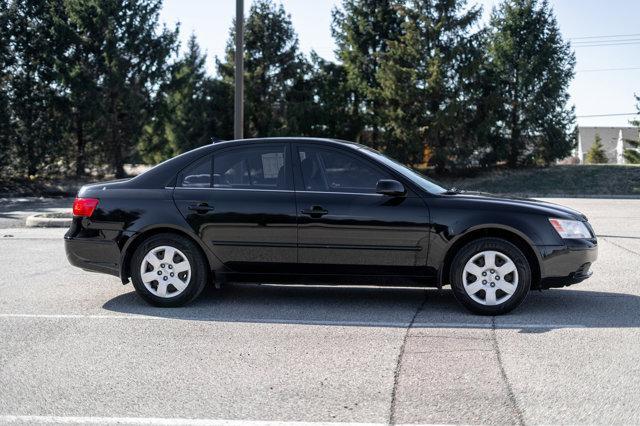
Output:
x=176 y=283
x=490 y=276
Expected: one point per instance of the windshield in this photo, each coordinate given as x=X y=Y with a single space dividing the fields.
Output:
x=406 y=172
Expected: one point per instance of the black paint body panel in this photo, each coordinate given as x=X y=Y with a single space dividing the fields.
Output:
x=250 y=231
x=368 y=238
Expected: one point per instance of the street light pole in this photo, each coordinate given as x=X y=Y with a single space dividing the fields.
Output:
x=238 y=121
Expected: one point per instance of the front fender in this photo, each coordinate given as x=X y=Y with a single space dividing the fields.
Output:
x=453 y=226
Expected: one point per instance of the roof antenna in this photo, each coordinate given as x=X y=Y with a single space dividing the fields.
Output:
x=216 y=140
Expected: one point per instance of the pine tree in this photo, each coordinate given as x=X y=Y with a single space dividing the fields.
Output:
x=187 y=116
x=273 y=65
x=129 y=53
x=36 y=122
x=363 y=30
x=77 y=66
x=335 y=112
x=301 y=103
x=596 y=154
x=533 y=67
x=5 y=115
x=632 y=155
x=325 y=105
x=427 y=79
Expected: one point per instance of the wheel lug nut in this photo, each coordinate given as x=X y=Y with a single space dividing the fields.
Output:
x=170 y=267
x=162 y=265
x=492 y=284
x=484 y=274
x=497 y=278
x=171 y=274
x=159 y=272
x=165 y=278
x=484 y=282
x=492 y=271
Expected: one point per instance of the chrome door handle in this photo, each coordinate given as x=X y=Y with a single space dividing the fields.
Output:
x=201 y=208
x=315 y=211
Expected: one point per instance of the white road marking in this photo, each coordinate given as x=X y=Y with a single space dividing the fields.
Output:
x=160 y=421
x=298 y=322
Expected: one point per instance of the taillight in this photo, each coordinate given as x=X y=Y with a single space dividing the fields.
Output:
x=84 y=206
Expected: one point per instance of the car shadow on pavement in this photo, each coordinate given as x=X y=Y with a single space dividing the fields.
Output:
x=389 y=307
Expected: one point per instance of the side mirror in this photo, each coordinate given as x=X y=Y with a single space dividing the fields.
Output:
x=390 y=187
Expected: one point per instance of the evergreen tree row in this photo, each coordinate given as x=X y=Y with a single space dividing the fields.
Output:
x=87 y=85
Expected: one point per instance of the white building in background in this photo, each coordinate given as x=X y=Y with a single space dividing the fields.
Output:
x=613 y=141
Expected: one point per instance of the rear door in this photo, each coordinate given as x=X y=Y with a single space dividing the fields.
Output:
x=241 y=202
x=345 y=227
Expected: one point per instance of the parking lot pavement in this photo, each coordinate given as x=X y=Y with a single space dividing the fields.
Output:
x=14 y=211
x=77 y=347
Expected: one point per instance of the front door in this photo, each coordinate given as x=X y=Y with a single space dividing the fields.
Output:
x=247 y=213
x=345 y=227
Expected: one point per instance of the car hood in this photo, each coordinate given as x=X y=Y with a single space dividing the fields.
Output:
x=521 y=204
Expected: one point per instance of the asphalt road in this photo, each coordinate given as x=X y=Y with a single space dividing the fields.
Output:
x=14 y=211
x=77 y=347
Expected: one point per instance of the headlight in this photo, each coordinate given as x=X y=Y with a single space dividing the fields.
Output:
x=570 y=228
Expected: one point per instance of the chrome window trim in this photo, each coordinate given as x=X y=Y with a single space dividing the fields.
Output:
x=343 y=193
x=231 y=189
x=276 y=190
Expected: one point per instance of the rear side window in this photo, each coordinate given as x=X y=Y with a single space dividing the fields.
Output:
x=251 y=167
x=196 y=175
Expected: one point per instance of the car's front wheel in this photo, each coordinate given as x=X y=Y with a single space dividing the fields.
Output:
x=490 y=276
x=168 y=270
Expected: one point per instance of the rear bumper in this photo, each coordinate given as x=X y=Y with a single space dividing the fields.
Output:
x=566 y=265
x=93 y=255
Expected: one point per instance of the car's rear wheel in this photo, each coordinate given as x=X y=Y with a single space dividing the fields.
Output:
x=490 y=276
x=168 y=270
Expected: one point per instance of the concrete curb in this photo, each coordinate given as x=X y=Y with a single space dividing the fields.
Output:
x=41 y=220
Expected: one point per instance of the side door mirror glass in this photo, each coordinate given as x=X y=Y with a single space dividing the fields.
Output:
x=390 y=187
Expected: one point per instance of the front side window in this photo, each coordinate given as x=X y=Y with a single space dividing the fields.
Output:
x=333 y=171
x=196 y=175
x=253 y=167
x=405 y=171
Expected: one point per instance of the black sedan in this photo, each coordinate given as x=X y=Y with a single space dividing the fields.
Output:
x=300 y=210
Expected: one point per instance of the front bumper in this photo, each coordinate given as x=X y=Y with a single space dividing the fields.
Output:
x=568 y=264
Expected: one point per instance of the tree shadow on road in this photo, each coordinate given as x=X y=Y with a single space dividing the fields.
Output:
x=389 y=307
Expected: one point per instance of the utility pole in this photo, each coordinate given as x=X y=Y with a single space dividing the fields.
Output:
x=238 y=120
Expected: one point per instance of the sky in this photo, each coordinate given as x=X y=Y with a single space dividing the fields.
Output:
x=593 y=91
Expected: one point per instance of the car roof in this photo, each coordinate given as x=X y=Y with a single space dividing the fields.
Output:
x=164 y=172
x=285 y=139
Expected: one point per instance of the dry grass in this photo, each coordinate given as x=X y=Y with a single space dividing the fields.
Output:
x=580 y=181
